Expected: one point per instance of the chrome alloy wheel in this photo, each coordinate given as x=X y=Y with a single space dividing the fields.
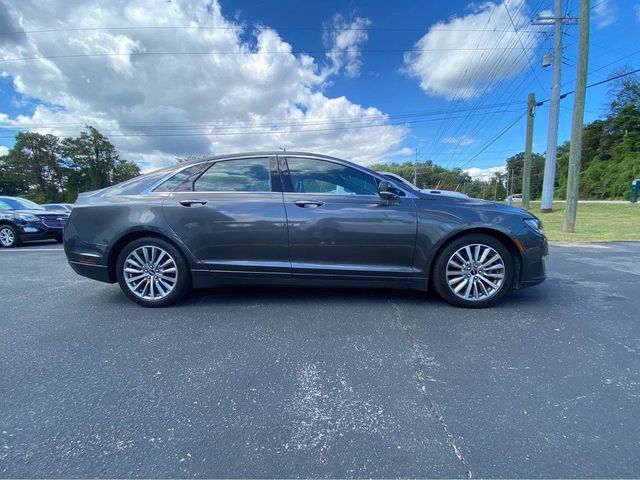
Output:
x=6 y=237
x=150 y=272
x=475 y=272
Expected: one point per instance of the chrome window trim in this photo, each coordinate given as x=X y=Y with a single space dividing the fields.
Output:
x=355 y=166
x=191 y=193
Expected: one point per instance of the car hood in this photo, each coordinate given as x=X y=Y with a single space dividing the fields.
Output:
x=499 y=207
x=480 y=205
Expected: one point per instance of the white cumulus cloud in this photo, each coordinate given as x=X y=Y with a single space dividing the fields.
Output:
x=254 y=93
x=3 y=150
x=604 y=13
x=344 y=38
x=461 y=140
x=466 y=55
x=484 y=173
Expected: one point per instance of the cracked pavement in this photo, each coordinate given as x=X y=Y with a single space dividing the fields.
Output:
x=321 y=382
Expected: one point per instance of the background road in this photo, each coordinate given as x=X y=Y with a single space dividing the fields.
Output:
x=319 y=383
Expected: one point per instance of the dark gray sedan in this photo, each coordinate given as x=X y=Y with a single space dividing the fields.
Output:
x=298 y=219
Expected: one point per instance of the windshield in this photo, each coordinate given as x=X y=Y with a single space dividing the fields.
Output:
x=17 y=203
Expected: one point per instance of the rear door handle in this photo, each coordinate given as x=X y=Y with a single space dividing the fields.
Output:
x=188 y=203
x=309 y=203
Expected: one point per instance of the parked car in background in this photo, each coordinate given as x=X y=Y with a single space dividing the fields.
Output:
x=24 y=220
x=298 y=219
x=66 y=207
x=394 y=177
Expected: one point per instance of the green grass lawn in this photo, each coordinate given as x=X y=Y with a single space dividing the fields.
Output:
x=595 y=222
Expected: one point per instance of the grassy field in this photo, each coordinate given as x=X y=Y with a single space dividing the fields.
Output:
x=595 y=222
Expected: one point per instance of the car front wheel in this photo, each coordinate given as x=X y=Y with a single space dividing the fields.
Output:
x=152 y=272
x=473 y=271
x=9 y=236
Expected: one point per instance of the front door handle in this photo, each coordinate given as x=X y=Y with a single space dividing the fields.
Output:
x=309 y=203
x=188 y=203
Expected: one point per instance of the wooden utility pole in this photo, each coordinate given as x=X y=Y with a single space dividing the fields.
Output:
x=526 y=172
x=511 y=185
x=575 y=149
x=548 y=181
x=415 y=169
x=549 y=178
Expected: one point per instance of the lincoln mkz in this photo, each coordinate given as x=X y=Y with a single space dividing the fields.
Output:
x=284 y=218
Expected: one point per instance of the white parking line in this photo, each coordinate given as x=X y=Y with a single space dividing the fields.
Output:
x=31 y=249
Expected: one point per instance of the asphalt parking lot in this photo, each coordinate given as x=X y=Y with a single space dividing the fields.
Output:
x=321 y=382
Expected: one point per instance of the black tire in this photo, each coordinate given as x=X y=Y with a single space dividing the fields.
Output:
x=440 y=280
x=182 y=285
x=12 y=239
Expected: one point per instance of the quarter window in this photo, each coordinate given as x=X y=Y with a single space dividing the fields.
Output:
x=329 y=178
x=243 y=175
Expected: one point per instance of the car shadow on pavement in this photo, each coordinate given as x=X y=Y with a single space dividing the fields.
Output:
x=275 y=295
x=298 y=295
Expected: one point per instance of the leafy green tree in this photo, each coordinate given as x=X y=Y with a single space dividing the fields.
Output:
x=93 y=157
x=124 y=170
x=46 y=169
x=33 y=164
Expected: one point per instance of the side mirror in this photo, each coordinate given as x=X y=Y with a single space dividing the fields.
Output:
x=386 y=191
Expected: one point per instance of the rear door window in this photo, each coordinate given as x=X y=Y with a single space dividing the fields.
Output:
x=241 y=175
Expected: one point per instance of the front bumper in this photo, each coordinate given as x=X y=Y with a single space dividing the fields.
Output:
x=27 y=233
x=533 y=268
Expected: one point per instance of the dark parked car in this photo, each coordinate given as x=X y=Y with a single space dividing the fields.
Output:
x=56 y=207
x=298 y=219
x=23 y=220
x=399 y=180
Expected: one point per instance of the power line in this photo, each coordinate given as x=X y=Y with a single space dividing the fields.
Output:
x=591 y=72
x=488 y=81
x=606 y=80
x=510 y=90
x=522 y=45
x=265 y=132
x=202 y=27
x=240 y=52
x=495 y=139
x=243 y=124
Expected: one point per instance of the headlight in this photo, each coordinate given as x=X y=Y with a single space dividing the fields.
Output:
x=535 y=225
x=27 y=217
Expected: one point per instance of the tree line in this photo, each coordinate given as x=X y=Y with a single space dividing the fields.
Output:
x=46 y=168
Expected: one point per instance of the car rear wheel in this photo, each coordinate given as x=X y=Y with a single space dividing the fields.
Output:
x=152 y=272
x=9 y=236
x=473 y=271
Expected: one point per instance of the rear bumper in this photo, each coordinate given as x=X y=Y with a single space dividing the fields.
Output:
x=95 y=272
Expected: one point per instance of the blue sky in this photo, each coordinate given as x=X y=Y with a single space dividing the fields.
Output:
x=369 y=81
